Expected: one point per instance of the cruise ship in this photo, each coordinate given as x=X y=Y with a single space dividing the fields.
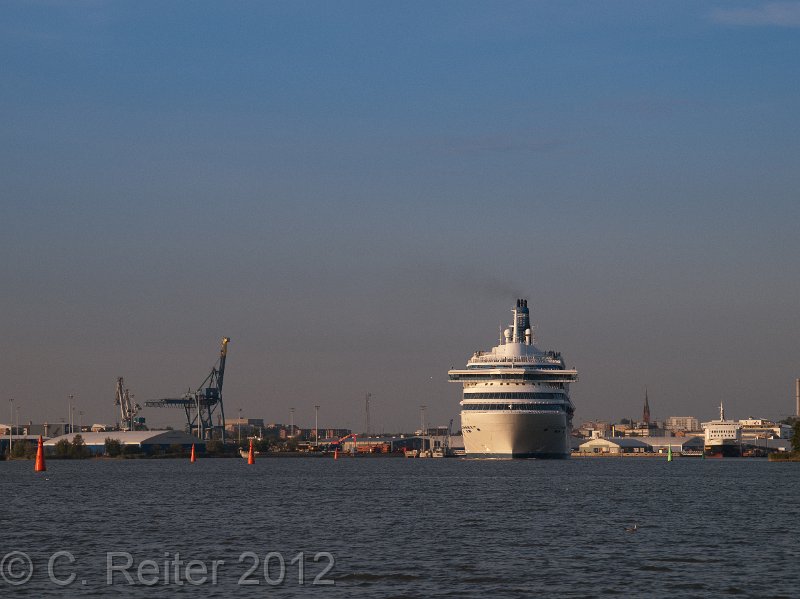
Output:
x=516 y=397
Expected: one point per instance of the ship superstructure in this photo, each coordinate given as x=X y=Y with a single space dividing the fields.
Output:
x=516 y=400
x=723 y=438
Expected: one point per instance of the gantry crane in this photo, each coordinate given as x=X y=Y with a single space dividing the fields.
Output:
x=201 y=405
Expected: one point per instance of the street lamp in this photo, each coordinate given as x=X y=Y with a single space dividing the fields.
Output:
x=240 y=426
x=422 y=409
x=69 y=412
x=316 y=426
x=11 y=427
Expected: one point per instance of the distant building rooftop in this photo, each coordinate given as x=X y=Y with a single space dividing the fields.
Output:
x=140 y=438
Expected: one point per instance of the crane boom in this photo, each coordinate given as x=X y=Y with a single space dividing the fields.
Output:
x=127 y=408
x=223 y=354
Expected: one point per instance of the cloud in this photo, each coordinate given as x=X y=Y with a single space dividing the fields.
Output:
x=777 y=14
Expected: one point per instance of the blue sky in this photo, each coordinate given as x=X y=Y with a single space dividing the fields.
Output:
x=357 y=192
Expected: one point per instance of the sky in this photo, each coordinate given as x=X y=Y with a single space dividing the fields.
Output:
x=357 y=192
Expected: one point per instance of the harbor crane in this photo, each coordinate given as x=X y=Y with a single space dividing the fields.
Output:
x=340 y=442
x=201 y=405
x=127 y=409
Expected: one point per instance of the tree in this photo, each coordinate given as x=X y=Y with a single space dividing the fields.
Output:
x=214 y=447
x=79 y=449
x=261 y=445
x=113 y=447
x=63 y=449
x=22 y=449
x=31 y=450
x=796 y=436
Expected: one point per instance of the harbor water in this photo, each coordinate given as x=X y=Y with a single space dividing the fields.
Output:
x=401 y=528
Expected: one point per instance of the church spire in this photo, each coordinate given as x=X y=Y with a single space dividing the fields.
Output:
x=646 y=413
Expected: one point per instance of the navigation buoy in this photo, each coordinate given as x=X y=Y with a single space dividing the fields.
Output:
x=192 y=458
x=40 y=467
x=251 y=456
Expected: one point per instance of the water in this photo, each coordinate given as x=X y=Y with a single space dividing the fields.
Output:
x=409 y=528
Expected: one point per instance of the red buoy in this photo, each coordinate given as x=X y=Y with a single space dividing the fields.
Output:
x=40 y=467
x=192 y=459
x=251 y=456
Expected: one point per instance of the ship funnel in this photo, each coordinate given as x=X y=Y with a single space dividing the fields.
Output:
x=522 y=321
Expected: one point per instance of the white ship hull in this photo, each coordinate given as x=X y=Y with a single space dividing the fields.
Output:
x=515 y=434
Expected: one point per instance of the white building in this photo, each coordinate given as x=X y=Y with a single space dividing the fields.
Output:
x=682 y=423
x=614 y=446
x=755 y=428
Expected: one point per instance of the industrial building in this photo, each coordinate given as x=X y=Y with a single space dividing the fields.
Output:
x=29 y=428
x=145 y=441
x=5 y=440
x=614 y=445
x=689 y=445
x=692 y=443
x=244 y=425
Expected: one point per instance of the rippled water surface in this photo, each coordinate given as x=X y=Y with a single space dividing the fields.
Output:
x=407 y=528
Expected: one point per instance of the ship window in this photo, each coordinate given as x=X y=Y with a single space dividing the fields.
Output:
x=515 y=395
x=538 y=407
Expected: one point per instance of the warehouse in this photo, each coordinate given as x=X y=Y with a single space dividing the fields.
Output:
x=145 y=441
x=677 y=444
x=614 y=445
